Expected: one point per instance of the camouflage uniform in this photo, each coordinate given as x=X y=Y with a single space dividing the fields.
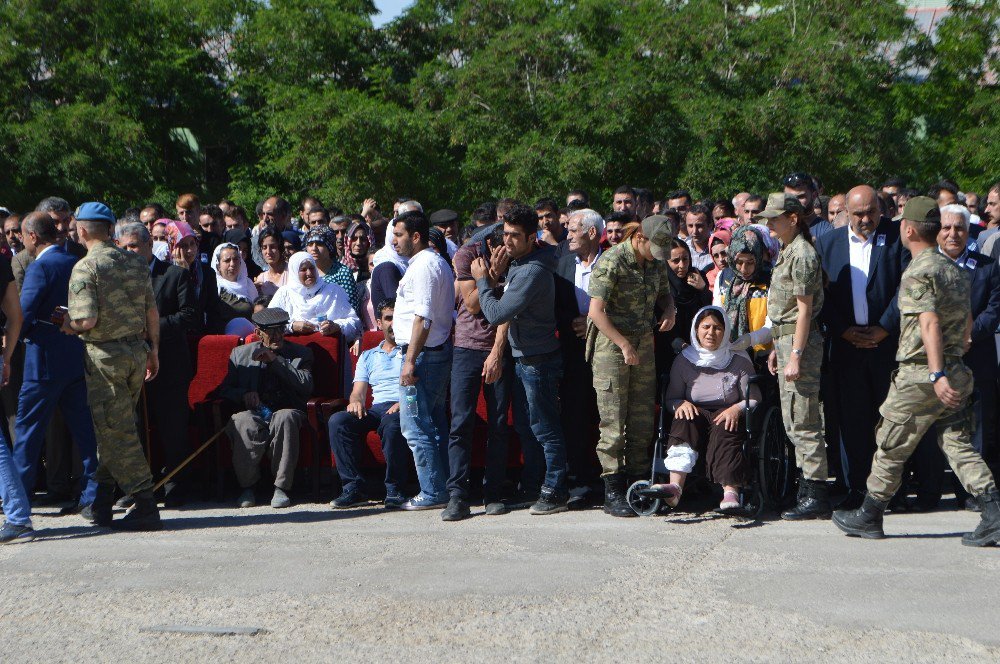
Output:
x=113 y=285
x=797 y=272
x=932 y=282
x=626 y=395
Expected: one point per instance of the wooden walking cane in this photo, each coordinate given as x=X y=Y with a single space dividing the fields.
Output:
x=188 y=460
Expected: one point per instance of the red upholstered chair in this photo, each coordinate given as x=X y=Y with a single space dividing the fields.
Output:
x=328 y=385
x=327 y=409
x=210 y=356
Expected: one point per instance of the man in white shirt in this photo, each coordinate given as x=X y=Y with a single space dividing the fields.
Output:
x=425 y=304
x=699 y=225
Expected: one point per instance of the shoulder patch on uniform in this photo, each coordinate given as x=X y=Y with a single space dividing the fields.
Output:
x=77 y=286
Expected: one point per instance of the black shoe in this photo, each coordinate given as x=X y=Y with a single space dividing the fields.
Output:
x=972 y=505
x=53 y=499
x=145 y=516
x=496 y=507
x=101 y=509
x=458 y=509
x=522 y=499
x=988 y=531
x=11 y=534
x=173 y=496
x=866 y=521
x=615 y=502
x=349 y=499
x=815 y=503
x=125 y=502
x=550 y=501
x=581 y=498
x=925 y=503
x=851 y=501
x=87 y=512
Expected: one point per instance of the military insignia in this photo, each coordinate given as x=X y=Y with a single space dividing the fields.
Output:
x=77 y=286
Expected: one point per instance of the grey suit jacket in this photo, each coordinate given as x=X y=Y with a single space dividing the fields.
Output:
x=292 y=369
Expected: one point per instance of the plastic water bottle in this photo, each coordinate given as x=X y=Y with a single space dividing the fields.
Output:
x=410 y=401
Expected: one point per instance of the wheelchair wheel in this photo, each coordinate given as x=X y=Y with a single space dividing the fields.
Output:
x=776 y=461
x=640 y=504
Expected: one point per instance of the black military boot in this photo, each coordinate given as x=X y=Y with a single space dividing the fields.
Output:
x=101 y=510
x=144 y=516
x=988 y=531
x=814 y=503
x=866 y=521
x=615 y=503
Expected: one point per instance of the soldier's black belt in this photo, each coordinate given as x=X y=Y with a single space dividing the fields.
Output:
x=783 y=330
x=121 y=340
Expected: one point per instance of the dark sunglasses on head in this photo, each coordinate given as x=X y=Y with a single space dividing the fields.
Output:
x=797 y=180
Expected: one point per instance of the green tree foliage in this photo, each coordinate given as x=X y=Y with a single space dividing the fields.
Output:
x=457 y=101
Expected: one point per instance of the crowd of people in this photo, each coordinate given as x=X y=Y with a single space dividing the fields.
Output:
x=876 y=311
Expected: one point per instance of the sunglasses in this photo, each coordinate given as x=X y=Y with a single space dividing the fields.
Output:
x=797 y=180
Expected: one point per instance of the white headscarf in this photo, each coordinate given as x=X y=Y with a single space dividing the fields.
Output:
x=309 y=303
x=243 y=286
x=388 y=253
x=713 y=359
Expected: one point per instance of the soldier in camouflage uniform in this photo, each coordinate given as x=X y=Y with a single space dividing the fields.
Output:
x=111 y=307
x=932 y=385
x=626 y=284
x=793 y=305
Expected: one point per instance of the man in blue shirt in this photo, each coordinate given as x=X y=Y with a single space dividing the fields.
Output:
x=379 y=368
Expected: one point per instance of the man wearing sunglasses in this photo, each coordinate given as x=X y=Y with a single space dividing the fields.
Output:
x=803 y=187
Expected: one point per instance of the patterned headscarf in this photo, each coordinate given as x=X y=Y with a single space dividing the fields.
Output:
x=323 y=235
x=745 y=240
x=348 y=260
x=176 y=231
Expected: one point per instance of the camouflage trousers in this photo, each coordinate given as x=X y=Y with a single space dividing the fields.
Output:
x=626 y=401
x=115 y=373
x=908 y=412
x=800 y=405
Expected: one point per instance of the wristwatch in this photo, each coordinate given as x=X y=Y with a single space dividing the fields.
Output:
x=796 y=351
x=936 y=375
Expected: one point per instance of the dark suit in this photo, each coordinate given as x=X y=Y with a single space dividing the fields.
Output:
x=861 y=377
x=579 y=412
x=167 y=394
x=206 y=289
x=929 y=461
x=53 y=372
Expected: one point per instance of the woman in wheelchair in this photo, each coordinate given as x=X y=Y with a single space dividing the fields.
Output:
x=707 y=394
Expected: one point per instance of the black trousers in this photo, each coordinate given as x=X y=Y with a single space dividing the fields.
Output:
x=862 y=377
x=580 y=417
x=167 y=406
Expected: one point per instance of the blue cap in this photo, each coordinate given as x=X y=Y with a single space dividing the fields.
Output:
x=95 y=212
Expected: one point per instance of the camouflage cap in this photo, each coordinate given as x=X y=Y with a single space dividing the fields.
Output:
x=659 y=230
x=270 y=318
x=778 y=204
x=921 y=208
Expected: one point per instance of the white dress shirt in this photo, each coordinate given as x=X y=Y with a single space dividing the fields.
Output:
x=861 y=258
x=582 y=282
x=426 y=290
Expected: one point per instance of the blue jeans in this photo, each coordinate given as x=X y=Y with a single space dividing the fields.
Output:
x=537 y=391
x=347 y=438
x=427 y=433
x=16 y=507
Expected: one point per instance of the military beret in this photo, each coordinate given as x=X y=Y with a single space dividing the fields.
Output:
x=95 y=212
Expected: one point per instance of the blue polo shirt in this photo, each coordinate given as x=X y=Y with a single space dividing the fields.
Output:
x=380 y=370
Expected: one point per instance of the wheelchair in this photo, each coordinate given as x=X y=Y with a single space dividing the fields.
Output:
x=770 y=457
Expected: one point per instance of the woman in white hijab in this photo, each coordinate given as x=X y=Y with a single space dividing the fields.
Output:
x=707 y=394
x=314 y=305
x=236 y=291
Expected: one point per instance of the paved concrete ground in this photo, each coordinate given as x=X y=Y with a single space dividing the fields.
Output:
x=375 y=586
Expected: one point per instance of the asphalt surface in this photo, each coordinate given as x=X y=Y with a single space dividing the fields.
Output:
x=312 y=584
